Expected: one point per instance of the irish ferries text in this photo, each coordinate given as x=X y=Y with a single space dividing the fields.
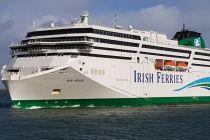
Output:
x=157 y=78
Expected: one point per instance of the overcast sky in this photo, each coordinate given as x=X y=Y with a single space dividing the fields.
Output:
x=167 y=16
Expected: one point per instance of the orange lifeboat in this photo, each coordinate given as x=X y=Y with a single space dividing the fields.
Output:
x=158 y=64
x=181 y=66
x=169 y=65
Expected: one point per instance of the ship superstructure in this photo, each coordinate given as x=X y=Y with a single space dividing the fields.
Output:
x=91 y=65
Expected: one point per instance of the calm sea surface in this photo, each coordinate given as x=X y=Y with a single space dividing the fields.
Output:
x=160 y=122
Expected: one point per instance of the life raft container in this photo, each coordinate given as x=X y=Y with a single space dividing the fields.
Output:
x=169 y=65
x=181 y=66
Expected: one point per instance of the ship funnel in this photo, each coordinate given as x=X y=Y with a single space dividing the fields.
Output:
x=190 y=38
x=84 y=17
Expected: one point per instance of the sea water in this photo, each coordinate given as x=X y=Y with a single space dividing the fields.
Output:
x=138 y=123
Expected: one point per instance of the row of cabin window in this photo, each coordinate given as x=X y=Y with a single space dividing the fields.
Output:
x=79 y=38
x=122 y=35
x=100 y=40
x=202 y=54
x=201 y=65
x=60 y=31
x=20 y=50
x=47 y=47
x=165 y=49
x=68 y=47
x=82 y=54
x=83 y=30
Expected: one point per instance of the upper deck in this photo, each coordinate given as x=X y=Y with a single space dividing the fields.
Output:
x=81 y=33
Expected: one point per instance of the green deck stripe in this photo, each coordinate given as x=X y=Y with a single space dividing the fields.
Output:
x=119 y=102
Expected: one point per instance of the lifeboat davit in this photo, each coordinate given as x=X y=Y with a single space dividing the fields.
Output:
x=181 y=66
x=169 y=65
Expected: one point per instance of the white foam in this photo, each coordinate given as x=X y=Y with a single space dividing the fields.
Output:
x=16 y=106
x=34 y=107
x=91 y=105
x=126 y=106
x=75 y=105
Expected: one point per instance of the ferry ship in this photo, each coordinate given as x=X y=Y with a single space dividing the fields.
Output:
x=88 y=65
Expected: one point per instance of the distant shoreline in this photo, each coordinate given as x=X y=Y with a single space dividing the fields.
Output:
x=3 y=90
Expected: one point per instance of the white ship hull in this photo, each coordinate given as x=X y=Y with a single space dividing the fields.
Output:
x=84 y=79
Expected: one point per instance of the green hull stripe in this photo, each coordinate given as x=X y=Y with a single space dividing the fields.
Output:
x=121 y=102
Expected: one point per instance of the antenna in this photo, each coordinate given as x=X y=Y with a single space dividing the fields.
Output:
x=115 y=20
x=34 y=24
x=183 y=27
